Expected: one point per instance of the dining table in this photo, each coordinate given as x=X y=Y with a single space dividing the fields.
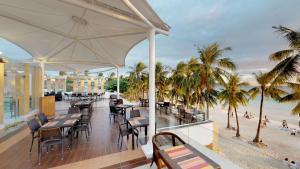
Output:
x=138 y=122
x=83 y=104
x=64 y=121
x=124 y=108
x=186 y=156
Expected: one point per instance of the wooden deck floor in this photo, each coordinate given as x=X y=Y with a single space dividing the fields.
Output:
x=102 y=141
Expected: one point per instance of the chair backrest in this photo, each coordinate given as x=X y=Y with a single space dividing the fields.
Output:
x=33 y=125
x=73 y=110
x=166 y=104
x=119 y=101
x=49 y=134
x=135 y=113
x=166 y=138
x=43 y=118
x=113 y=96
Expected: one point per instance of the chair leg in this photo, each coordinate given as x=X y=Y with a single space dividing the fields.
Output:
x=86 y=133
x=119 y=139
x=121 y=143
x=39 y=154
x=62 y=150
x=31 y=143
x=91 y=126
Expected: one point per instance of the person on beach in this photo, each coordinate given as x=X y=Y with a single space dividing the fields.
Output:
x=293 y=132
x=266 y=119
x=286 y=161
x=293 y=165
x=246 y=115
x=284 y=124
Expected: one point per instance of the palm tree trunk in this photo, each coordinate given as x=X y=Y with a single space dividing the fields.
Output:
x=228 y=117
x=256 y=139
x=207 y=110
x=237 y=124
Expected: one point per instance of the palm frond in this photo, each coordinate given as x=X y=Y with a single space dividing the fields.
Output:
x=292 y=36
x=296 y=110
x=280 y=55
x=226 y=63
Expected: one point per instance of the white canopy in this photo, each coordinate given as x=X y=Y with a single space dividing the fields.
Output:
x=74 y=35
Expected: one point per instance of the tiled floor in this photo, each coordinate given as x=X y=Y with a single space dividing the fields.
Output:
x=100 y=149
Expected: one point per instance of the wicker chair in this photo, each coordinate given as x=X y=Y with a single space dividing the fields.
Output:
x=126 y=131
x=43 y=118
x=34 y=127
x=73 y=110
x=135 y=113
x=161 y=141
x=50 y=137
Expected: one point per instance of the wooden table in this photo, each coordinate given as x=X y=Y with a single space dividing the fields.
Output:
x=64 y=121
x=138 y=122
x=186 y=156
x=83 y=104
x=124 y=107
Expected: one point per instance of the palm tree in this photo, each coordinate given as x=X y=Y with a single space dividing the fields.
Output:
x=62 y=73
x=288 y=61
x=265 y=90
x=213 y=67
x=233 y=95
x=100 y=74
x=184 y=79
x=137 y=82
x=294 y=96
x=161 y=81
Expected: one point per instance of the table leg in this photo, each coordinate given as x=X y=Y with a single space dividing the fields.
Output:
x=132 y=139
x=146 y=130
x=124 y=110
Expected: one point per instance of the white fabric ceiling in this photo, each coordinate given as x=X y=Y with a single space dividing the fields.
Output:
x=76 y=35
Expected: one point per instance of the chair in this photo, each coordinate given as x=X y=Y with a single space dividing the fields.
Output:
x=81 y=126
x=50 y=137
x=162 y=141
x=86 y=118
x=114 y=112
x=119 y=101
x=165 y=106
x=43 y=118
x=188 y=118
x=73 y=110
x=135 y=113
x=34 y=127
x=180 y=113
x=125 y=131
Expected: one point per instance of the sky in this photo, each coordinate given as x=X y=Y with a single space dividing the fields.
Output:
x=244 y=25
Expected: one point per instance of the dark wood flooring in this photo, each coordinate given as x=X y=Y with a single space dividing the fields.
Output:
x=102 y=141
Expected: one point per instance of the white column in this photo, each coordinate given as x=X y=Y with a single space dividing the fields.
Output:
x=1 y=94
x=118 y=83
x=38 y=84
x=151 y=84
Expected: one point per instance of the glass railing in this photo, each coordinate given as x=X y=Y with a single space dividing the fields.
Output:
x=226 y=150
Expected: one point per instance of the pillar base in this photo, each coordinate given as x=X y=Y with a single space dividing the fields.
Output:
x=148 y=150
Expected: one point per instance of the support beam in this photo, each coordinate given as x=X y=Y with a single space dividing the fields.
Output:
x=151 y=84
x=118 y=83
x=106 y=11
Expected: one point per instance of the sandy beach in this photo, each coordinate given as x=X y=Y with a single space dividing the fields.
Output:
x=280 y=144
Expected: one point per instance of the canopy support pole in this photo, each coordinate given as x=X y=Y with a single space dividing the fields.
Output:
x=151 y=84
x=118 y=83
x=1 y=94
